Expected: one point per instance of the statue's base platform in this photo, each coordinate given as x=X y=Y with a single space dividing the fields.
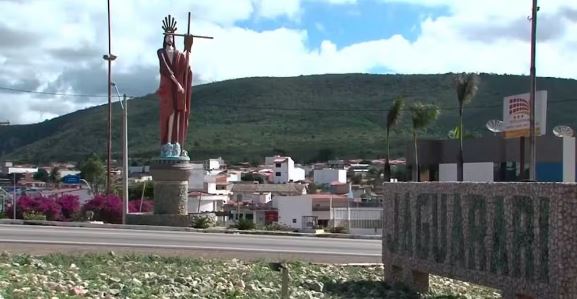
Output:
x=170 y=177
x=159 y=220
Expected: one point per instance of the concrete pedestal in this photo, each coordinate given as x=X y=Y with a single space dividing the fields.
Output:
x=170 y=179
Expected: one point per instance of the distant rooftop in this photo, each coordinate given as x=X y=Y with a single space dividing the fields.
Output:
x=283 y=189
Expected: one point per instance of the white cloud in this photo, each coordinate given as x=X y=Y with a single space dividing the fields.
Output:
x=64 y=52
x=275 y=8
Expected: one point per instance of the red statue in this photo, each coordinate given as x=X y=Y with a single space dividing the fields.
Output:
x=174 y=92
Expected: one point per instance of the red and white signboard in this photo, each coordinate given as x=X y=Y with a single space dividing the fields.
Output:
x=517 y=111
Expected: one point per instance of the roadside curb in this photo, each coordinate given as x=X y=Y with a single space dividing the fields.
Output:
x=185 y=229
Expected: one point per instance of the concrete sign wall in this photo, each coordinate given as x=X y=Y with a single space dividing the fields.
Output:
x=516 y=237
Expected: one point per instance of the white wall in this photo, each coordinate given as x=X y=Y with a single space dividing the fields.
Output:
x=472 y=172
x=568 y=159
x=297 y=174
x=22 y=170
x=263 y=198
x=205 y=205
x=234 y=176
x=208 y=203
x=196 y=178
x=291 y=209
x=210 y=187
x=329 y=175
x=283 y=170
x=364 y=221
x=213 y=164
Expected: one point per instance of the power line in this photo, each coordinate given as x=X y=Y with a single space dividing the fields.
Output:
x=52 y=93
x=310 y=109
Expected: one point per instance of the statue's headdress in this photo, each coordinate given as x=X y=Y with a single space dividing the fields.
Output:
x=169 y=24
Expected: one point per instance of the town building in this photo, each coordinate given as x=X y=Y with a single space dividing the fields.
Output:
x=493 y=158
x=328 y=176
x=307 y=212
x=285 y=171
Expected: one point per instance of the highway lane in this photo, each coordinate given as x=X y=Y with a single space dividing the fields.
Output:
x=256 y=246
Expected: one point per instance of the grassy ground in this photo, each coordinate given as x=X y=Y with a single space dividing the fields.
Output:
x=146 y=276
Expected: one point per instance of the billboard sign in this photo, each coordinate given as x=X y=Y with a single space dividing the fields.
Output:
x=71 y=179
x=517 y=111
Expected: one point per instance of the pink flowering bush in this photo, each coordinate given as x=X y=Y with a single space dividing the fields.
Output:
x=106 y=208
x=69 y=206
x=46 y=206
x=134 y=206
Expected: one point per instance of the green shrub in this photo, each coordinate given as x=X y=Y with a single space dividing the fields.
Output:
x=202 y=221
x=244 y=224
x=34 y=216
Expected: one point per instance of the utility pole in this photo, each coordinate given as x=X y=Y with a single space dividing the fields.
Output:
x=14 y=195
x=532 y=141
x=124 y=158
x=109 y=57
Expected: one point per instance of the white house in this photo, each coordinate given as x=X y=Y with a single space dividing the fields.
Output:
x=208 y=202
x=216 y=184
x=293 y=209
x=214 y=166
x=208 y=187
x=285 y=171
x=234 y=176
x=307 y=211
x=329 y=175
x=263 y=193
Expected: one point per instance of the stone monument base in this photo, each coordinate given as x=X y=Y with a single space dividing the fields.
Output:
x=170 y=177
x=159 y=220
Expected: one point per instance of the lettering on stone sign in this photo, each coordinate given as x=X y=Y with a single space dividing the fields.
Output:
x=477 y=229
x=457 y=234
x=393 y=241
x=439 y=228
x=523 y=237
x=544 y=239
x=420 y=229
x=407 y=238
x=499 y=259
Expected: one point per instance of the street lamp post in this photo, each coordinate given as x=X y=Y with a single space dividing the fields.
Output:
x=109 y=57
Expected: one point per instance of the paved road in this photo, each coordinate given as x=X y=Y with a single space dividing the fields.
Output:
x=49 y=239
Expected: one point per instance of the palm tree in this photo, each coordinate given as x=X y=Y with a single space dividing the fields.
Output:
x=392 y=120
x=422 y=115
x=466 y=86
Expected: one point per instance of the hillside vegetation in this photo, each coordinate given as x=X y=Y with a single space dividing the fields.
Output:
x=246 y=119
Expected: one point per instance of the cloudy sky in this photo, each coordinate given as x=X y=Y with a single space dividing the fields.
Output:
x=56 y=46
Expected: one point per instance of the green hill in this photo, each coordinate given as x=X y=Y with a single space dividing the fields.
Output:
x=246 y=119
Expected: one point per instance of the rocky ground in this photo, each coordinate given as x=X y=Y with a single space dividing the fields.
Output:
x=151 y=276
